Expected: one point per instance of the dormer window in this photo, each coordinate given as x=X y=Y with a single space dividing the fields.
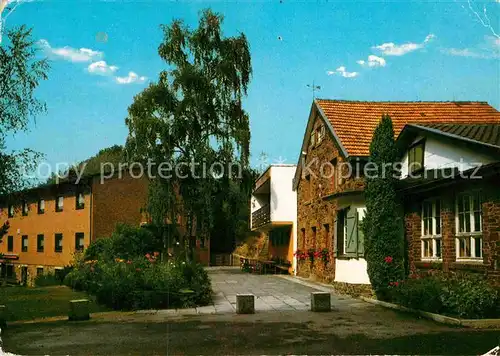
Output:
x=416 y=157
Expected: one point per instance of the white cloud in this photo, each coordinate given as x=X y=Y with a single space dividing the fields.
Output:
x=489 y=49
x=343 y=72
x=130 y=79
x=70 y=54
x=373 y=61
x=101 y=68
x=392 y=49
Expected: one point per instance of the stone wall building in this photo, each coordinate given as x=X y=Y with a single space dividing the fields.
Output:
x=330 y=177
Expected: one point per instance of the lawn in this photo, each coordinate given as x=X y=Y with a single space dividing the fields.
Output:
x=24 y=303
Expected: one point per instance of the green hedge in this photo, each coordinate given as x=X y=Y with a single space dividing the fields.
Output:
x=142 y=283
x=463 y=296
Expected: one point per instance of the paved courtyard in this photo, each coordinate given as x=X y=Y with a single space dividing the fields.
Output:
x=281 y=325
x=272 y=292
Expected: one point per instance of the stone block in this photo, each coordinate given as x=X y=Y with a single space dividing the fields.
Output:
x=245 y=304
x=320 y=302
x=79 y=309
x=3 y=316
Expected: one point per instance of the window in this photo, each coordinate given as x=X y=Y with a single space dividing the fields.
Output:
x=431 y=229
x=303 y=235
x=350 y=240
x=41 y=206
x=326 y=229
x=24 y=243
x=39 y=243
x=320 y=134
x=469 y=225
x=416 y=157
x=80 y=200
x=25 y=208
x=313 y=235
x=11 y=211
x=58 y=242
x=39 y=271
x=59 y=203
x=312 y=141
x=10 y=243
x=79 y=239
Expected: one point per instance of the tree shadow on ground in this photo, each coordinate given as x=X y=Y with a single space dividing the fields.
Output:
x=193 y=337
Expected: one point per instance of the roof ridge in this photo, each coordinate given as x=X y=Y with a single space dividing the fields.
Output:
x=405 y=101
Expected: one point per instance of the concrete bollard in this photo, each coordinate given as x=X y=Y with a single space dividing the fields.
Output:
x=320 y=302
x=245 y=304
x=3 y=316
x=79 y=310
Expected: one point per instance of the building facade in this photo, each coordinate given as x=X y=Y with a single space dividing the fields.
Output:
x=330 y=176
x=49 y=224
x=273 y=208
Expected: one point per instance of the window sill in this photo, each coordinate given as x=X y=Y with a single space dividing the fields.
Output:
x=80 y=207
x=58 y=251
x=59 y=210
x=41 y=251
x=469 y=234
x=41 y=212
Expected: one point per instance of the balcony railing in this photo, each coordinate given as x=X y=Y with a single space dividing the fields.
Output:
x=261 y=217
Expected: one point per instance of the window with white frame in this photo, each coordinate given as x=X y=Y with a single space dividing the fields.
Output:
x=469 y=225
x=431 y=229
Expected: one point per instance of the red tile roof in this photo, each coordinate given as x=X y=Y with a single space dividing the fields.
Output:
x=355 y=121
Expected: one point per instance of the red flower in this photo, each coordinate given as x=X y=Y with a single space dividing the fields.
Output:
x=396 y=284
x=156 y=254
x=388 y=259
x=129 y=262
x=148 y=256
x=137 y=269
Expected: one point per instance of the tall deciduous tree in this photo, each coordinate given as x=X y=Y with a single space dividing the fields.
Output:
x=20 y=75
x=194 y=113
x=383 y=225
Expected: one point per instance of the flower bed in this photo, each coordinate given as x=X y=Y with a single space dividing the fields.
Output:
x=142 y=283
x=122 y=272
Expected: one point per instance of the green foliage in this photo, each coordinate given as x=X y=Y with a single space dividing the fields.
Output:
x=463 y=296
x=194 y=113
x=47 y=279
x=125 y=272
x=20 y=75
x=470 y=297
x=142 y=283
x=126 y=242
x=383 y=224
x=421 y=294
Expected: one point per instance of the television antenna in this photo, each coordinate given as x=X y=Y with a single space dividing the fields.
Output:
x=314 y=88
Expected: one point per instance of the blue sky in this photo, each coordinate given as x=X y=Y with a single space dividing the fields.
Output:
x=359 y=50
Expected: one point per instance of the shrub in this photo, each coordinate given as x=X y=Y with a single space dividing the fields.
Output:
x=383 y=225
x=47 y=279
x=472 y=297
x=99 y=249
x=422 y=294
x=462 y=296
x=142 y=283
